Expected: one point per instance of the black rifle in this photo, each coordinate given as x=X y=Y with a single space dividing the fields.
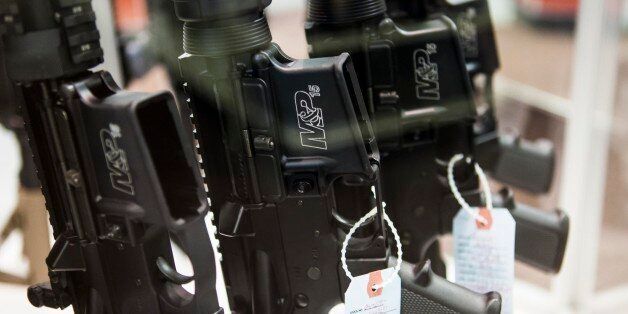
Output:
x=280 y=140
x=119 y=177
x=504 y=156
x=416 y=78
x=541 y=237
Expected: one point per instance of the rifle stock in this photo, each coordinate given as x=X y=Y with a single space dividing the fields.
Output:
x=117 y=172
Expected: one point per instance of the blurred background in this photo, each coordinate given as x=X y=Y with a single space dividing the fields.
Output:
x=564 y=69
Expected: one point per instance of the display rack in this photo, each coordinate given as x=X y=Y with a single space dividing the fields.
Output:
x=588 y=119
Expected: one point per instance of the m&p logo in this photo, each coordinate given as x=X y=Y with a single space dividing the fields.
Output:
x=310 y=118
x=426 y=74
x=117 y=162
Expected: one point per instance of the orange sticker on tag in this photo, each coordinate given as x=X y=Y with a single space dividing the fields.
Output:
x=484 y=212
x=375 y=278
x=360 y=297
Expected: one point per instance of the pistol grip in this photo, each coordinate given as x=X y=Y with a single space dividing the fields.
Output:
x=514 y=161
x=525 y=164
x=425 y=292
x=541 y=237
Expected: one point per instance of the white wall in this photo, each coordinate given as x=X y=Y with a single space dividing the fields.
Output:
x=11 y=259
x=108 y=41
x=286 y=5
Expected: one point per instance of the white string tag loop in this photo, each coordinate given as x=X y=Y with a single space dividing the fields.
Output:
x=483 y=183
x=358 y=224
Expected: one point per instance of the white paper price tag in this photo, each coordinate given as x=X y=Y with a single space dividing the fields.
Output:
x=361 y=299
x=485 y=253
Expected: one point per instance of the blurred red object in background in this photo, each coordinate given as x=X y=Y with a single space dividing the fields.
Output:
x=131 y=15
x=549 y=10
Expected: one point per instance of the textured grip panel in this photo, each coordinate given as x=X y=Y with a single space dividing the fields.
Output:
x=541 y=237
x=426 y=292
x=524 y=164
x=415 y=303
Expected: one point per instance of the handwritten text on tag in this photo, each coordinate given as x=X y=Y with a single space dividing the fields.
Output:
x=485 y=254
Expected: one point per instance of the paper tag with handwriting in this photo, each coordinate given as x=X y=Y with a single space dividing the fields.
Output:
x=485 y=253
x=360 y=297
